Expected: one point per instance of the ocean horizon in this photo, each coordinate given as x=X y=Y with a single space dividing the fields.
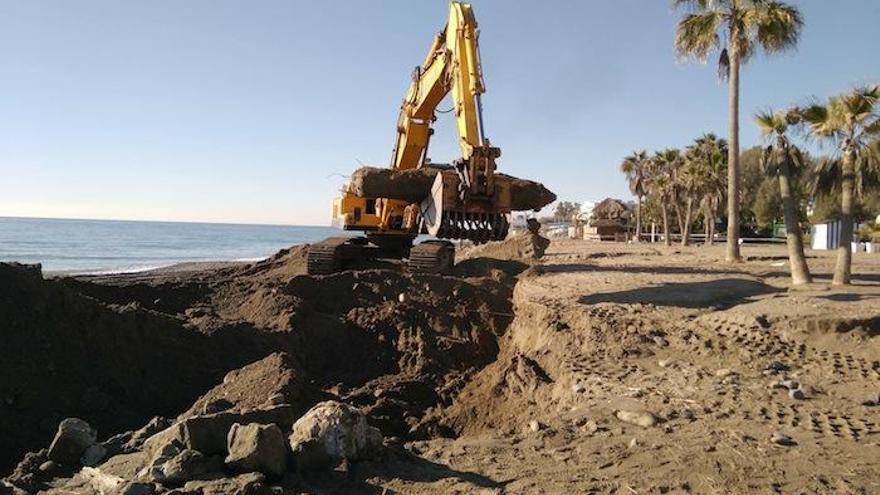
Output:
x=87 y=246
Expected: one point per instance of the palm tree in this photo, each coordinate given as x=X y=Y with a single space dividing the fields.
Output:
x=784 y=160
x=691 y=178
x=662 y=183
x=738 y=28
x=850 y=122
x=703 y=180
x=635 y=168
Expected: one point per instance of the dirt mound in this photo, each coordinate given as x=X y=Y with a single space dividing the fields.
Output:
x=270 y=381
x=119 y=350
x=66 y=354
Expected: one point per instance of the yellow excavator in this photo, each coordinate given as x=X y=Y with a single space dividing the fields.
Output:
x=467 y=199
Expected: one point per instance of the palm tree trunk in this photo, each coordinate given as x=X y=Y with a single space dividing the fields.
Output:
x=707 y=223
x=733 y=172
x=678 y=216
x=686 y=231
x=666 y=238
x=842 y=270
x=800 y=272
x=713 y=211
x=638 y=220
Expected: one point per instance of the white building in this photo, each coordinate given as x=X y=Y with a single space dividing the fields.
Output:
x=826 y=235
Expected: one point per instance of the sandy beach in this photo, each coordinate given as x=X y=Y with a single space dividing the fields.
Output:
x=569 y=375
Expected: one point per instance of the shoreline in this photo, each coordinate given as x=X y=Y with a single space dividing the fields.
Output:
x=173 y=268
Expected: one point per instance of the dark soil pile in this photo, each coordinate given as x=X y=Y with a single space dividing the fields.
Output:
x=119 y=350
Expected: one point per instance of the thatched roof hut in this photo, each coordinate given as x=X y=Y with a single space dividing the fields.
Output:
x=611 y=209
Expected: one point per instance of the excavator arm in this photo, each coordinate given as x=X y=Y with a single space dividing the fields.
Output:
x=452 y=65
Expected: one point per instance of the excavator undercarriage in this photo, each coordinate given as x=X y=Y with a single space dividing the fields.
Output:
x=341 y=253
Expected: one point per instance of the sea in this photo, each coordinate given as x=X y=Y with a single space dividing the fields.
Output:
x=112 y=246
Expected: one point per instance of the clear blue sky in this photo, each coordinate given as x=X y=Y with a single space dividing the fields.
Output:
x=253 y=111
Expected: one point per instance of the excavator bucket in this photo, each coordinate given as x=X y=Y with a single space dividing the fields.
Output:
x=453 y=211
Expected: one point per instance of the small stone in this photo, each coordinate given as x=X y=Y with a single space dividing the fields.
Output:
x=660 y=341
x=644 y=419
x=48 y=467
x=93 y=455
x=776 y=366
x=664 y=363
x=724 y=372
x=780 y=438
x=578 y=388
x=401 y=297
x=535 y=425
x=590 y=427
x=872 y=400
x=276 y=400
x=217 y=405
x=633 y=443
x=789 y=384
x=797 y=394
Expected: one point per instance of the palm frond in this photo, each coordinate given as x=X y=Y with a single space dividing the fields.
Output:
x=796 y=161
x=693 y=5
x=769 y=164
x=826 y=176
x=724 y=65
x=778 y=25
x=697 y=34
x=770 y=122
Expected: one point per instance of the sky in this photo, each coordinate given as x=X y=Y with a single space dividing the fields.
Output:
x=255 y=112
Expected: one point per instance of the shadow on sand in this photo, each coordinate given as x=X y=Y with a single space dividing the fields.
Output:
x=720 y=293
x=403 y=466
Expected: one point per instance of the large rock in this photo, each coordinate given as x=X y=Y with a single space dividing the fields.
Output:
x=74 y=436
x=330 y=432
x=187 y=465
x=207 y=433
x=256 y=447
x=244 y=484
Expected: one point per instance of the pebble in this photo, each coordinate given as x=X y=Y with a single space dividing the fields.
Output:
x=48 y=466
x=276 y=400
x=578 y=388
x=644 y=419
x=777 y=366
x=633 y=443
x=780 y=438
x=401 y=297
x=724 y=372
x=535 y=425
x=663 y=363
x=790 y=384
x=591 y=427
x=872 y=400
x=660 y=341
x=797 y=394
